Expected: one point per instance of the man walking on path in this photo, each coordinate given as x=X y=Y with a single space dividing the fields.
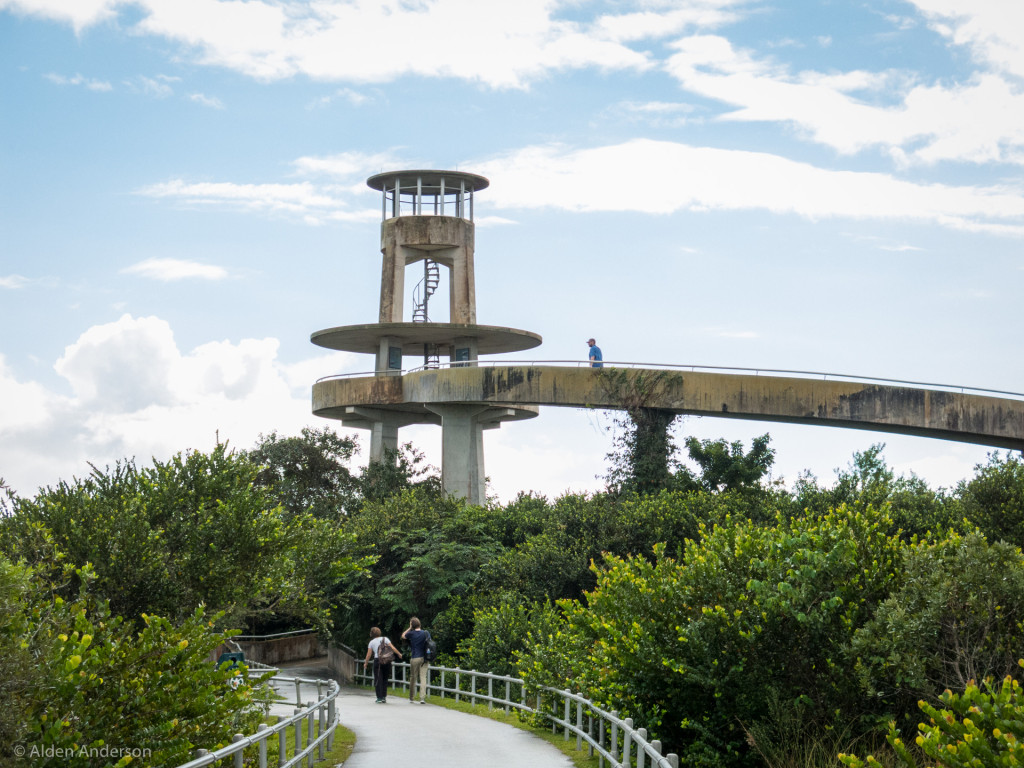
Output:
x=418 y=667
x=595 y=354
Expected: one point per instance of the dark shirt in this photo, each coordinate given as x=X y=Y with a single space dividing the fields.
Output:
x=418 y=640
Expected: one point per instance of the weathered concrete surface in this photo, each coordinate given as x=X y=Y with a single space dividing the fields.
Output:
x=448 y=240
x=962 y=417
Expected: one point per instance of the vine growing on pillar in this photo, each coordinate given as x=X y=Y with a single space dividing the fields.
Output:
x=643 y=455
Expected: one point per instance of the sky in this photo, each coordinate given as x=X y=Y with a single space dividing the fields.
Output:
x=819 y=186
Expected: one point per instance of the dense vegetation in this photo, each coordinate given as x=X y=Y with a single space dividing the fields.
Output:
x=741 y=622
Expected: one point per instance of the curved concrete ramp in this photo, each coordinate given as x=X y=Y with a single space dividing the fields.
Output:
x=903 y=409
x=401 y=733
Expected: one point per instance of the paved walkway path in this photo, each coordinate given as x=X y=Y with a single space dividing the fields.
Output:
x=402 y=733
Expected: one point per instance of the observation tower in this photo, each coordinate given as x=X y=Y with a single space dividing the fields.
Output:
x=426 y=218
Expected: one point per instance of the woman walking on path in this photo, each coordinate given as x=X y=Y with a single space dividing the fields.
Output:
x=383 y=652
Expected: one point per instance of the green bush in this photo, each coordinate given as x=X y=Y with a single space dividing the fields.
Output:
x=994 y=499
x=501 y=633
x=956 y=617
x=977 y=729
x=101 y=688
x=697 y=649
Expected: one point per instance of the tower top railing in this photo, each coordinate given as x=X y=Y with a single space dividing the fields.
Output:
x=427 y=193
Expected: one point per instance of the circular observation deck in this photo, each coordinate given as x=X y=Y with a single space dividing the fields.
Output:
x=490 y=339
x=427 y=193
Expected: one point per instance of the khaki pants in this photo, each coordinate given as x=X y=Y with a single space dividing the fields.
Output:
x=418 y=671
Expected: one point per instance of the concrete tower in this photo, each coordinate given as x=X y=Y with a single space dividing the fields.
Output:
x=427 y=220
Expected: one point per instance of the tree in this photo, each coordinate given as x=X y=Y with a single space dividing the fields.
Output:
x=643 y=452
x=868 y=480
x=309 y=473
x=994 y=499
x=396 y=472
x=725 y=467
x=427 y=553
x=195 y=530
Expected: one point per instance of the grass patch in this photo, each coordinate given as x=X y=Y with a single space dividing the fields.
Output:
x=344 y=743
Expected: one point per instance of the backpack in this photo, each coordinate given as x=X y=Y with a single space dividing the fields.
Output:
x=385 y=653
x=430 y=649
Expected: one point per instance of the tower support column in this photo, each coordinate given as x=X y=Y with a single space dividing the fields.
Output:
x=383 y=426
x=462 y=450
x=383 y=437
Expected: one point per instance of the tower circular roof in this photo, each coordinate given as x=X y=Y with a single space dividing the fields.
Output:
x=491 y=340
x=430 y=180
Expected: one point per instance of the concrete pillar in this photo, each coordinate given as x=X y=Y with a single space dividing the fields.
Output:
x=462 y=450
x=461 y=285
x=383 y=426
x=383 y=437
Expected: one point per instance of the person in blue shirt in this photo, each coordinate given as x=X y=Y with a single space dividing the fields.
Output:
x=595 y=354
x=419 y=669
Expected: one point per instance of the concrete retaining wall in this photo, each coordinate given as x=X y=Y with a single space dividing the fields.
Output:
x=342 y=664
x=278 y=650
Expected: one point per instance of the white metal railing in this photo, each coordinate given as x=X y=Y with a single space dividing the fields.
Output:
x=309 y=740
x=613 y=739
x=685 y=367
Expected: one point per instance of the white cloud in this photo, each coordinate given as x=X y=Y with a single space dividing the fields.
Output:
x=136 y=394
x=644 y=25
x=992 y=29
x=207 y=101
x=661 y=177
x=121 y=366
x=92 y=85
x=728 y=334
x=660 y=114
x=899 y=248
x=168 y=270
x=78 y=13
x=355 y=98
x=493 y=221
x=22 y=404
x=13 y=281
x=976 y=121
x=501 y=45
x=303 y=199
x=347 y=165
x=158 y=87
x=645 y=176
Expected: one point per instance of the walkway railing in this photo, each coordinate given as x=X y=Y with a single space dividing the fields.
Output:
x=612 y=738
x=824 y=376
x=310 y=729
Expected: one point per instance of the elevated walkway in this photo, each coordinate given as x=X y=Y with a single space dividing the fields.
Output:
x=948 y=413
